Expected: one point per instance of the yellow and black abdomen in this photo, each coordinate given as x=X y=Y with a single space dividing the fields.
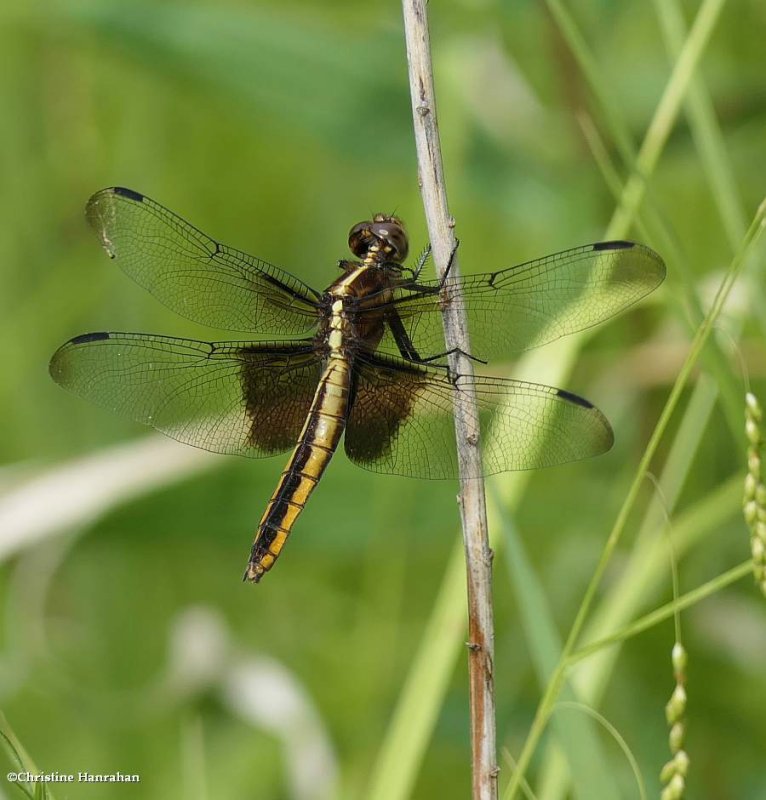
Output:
x=316 y=444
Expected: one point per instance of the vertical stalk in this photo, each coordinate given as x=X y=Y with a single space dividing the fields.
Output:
x=472 y=501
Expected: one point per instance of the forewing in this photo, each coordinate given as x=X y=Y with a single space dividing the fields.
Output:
x=402 y=422
x=532 y=303
x=228 y=397
x=195 y=275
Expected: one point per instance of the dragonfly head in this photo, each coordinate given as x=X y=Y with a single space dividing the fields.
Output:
x=381 y=239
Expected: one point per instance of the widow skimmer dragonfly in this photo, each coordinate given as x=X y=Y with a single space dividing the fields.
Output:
x=366 y=359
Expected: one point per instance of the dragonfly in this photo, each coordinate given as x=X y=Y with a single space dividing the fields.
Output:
x=363 y=361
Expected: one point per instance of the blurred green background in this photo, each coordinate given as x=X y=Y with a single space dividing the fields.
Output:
x=274 y=127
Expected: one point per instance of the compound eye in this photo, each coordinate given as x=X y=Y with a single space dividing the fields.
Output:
x=392 y=234
x=360 y=238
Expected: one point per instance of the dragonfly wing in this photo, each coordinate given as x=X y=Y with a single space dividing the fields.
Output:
x=530 y=304
x=402 y=421
x=243 y=398
x=194 y=275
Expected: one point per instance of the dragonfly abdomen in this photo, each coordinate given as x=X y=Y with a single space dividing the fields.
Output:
x=316 y=444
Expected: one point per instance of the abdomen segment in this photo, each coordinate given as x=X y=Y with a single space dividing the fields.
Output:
x=316 y=444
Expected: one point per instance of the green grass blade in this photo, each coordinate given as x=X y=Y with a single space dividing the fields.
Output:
x=633 y=194
x=711 y=148
x=554 y=687
x=652 y=227
x=664 y=117
x=667 y=611
x=574 y=735
x=617 y=736
x=707 y=134
x=592 y=73
x=22 y=762
x=417 y=708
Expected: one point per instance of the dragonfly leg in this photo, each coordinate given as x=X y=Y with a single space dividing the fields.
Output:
x=414 y=286
x=421 y=262
x=408 y=350
x=449 y=265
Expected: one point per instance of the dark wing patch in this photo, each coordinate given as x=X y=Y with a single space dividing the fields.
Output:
x=401 y=421
x=243 y=398
x=195 y=275
x=530 y=304
x=383 y=399
x=278 y=389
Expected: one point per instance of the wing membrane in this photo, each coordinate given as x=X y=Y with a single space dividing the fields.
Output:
x=532 y=303
x=195 y=275
x=228 y=397
x=401 y=422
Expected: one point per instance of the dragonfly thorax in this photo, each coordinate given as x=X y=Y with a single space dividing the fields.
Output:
x=381 y=239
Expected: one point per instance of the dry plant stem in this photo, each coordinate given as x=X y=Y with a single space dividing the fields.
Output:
x=472 y=501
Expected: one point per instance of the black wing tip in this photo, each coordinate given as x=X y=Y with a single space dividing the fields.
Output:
x=111 y=191
x=574 y=398
x=131 y=194
x=57 y=367
x=622 y=244
x=617 y=244
x=84 y=338
x=606 y=439
x=120 y=191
